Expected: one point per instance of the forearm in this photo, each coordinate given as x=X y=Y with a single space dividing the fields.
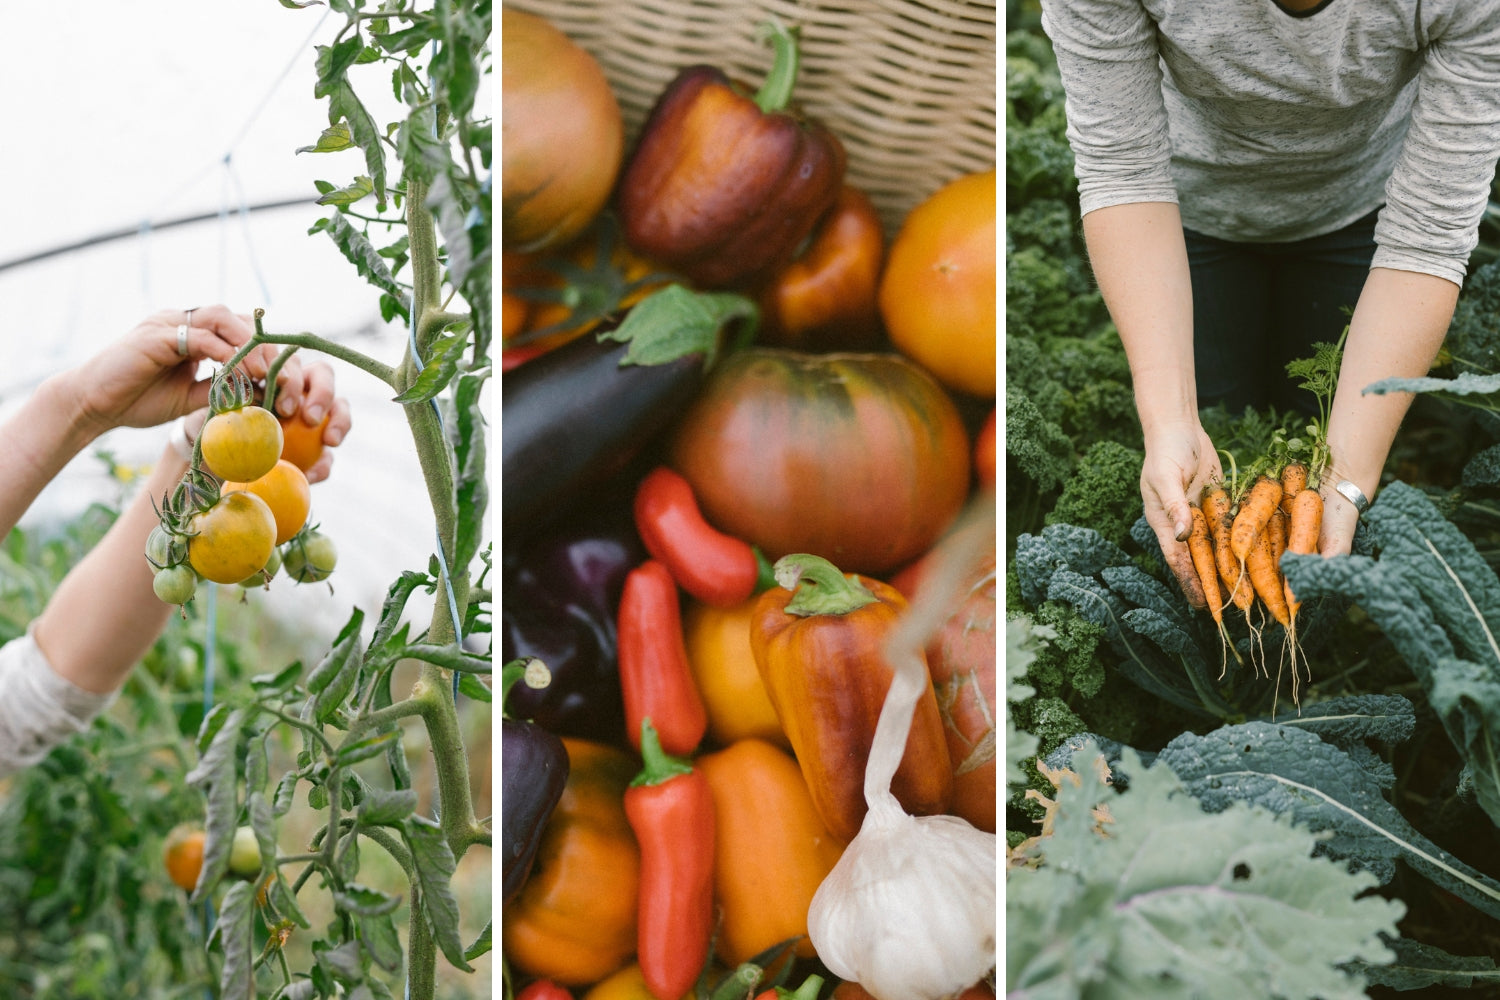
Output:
x=104 y=615
x=1140 y=261
x=44 y=435
x=1397 y=328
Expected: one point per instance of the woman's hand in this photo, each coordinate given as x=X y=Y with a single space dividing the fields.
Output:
x=1180 y=460
x=141 y=380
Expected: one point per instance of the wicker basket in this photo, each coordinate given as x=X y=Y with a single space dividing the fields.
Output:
x=908 y=86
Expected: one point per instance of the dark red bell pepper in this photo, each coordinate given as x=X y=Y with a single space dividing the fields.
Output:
x=724 y=185
x=671 y=810
x=656 y=678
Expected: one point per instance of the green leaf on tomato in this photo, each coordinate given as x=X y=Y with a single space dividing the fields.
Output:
x=676 y=321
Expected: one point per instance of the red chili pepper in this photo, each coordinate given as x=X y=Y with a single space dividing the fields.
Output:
x=715 y=568
x=656 y=677
x=544 y=989
x=671 y=810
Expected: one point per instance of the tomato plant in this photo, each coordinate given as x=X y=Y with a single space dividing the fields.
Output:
x=325 y=746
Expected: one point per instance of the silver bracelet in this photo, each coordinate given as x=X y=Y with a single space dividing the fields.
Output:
x=180 y=441
x=1353 y=494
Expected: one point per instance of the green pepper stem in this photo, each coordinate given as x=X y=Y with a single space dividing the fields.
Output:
x=776 y=92
x=819 y=588
x=657 y=765
x=765 y=574
x=740 y=983
x=807 y=991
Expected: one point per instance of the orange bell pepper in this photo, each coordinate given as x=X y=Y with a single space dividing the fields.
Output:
x=718 y=647
x=773 y=850
x=575 y=919
x=825 y=299
x=818 y=642
x=629 y=983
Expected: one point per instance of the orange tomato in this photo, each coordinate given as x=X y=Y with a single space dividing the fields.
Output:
x=285 y=491
x=562 y=137
x=301 y=442
x=937 y=293
x=182 y=854
x=232 y=539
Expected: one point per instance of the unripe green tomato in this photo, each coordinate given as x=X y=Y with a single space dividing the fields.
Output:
x=244 y=854
x=273 y=565
x=164 y=549
x=175 y=584
x=310 y=558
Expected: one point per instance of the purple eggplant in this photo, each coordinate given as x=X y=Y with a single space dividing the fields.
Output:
x=558 y=601
x=574 y=418
x=533 y=771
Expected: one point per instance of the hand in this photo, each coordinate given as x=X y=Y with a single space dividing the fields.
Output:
x=141 y=380
x=1336 y=536
x=1180 y=460
x=317 y=400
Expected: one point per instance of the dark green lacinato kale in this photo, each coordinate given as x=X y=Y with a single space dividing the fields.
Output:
x=1438 y=602
x=1103 y=492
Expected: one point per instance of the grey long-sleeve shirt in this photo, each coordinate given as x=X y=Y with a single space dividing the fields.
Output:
x=1265 y=126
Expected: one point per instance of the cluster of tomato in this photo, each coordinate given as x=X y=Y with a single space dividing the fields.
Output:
x=693 y=769
x=240 y=515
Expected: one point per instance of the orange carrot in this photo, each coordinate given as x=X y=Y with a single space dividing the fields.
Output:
x=1200 y=547
x=1202 y=552
x=1216 y=514
x=1255 y=511
x=1266 y=578
x=1276 y=528
x=1302 y=533
x=1293 y=481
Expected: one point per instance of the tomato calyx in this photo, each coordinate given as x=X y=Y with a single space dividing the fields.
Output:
x=230 y=390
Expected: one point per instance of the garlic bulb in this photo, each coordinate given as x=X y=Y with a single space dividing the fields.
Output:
x=909 y=910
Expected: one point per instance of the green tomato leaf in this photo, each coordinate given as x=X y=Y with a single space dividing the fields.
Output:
x=277 y=683
x=471 y=483
x=333 y=139
x=675 y=321
x=378 y=937
x=217 y=777
x=472 y=687
x=1158 y=898
x=359 y=251
x=434 y=863
x=365 y=901
x=450 y=657
x=483 y=944
x=341 y=197
x=364 y=749
x=442 y=362
x=387 y=808
x=233 y=932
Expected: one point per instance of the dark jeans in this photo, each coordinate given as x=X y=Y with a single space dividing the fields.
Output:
x=1257 y=306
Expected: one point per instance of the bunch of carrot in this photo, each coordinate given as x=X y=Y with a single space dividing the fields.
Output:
x=1237 y=546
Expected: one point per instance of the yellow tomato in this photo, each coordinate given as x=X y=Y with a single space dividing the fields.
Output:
x=285 y=491
x=241 y=445
x=232 y=539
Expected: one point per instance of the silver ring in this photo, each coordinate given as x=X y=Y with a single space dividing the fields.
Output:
x=182 y=333
x=1353 y=494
